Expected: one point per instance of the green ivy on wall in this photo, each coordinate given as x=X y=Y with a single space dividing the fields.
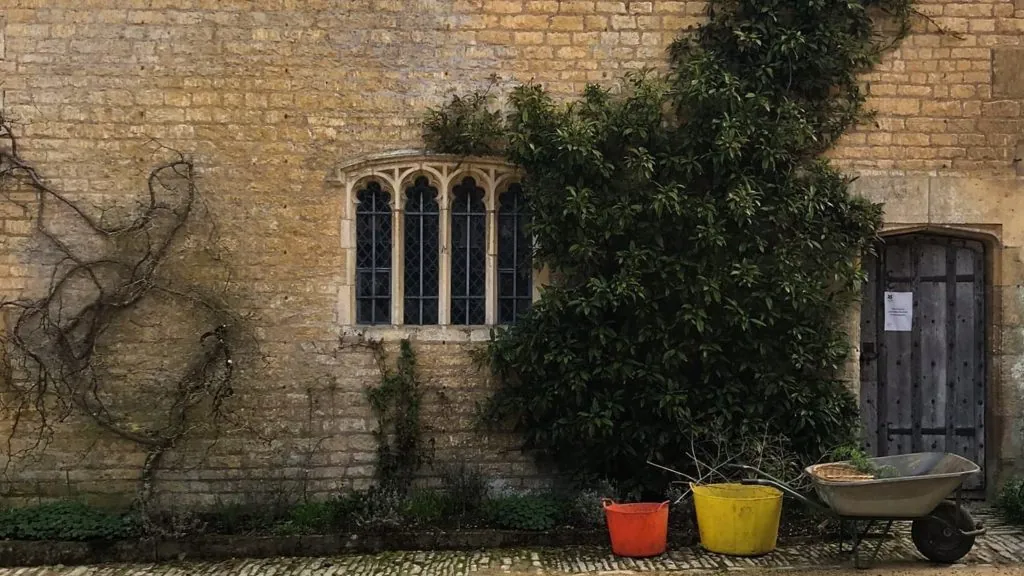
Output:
x=396 y=403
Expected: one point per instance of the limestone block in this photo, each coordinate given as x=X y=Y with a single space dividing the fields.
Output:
x=1011 y=267
x=905 y=199
x=955 y=200
x=1010 y=300
x=1008 y=72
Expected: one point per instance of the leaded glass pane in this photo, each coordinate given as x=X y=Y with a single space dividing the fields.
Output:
x=422 y=261
x=469 y=253
x=373 y=255
x=515 y=272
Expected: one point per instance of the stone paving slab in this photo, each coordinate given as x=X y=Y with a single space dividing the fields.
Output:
x=1003 y=545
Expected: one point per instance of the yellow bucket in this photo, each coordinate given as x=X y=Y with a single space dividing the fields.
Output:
x=737 y=520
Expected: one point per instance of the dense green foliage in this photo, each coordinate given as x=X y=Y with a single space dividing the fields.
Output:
x=525 y=512
x=1010 y=502
x=705 y=255
x=428 y=507
x=465 y=126
x=469 y=490
x=463 y=500
x=242 y=517
x=65 y=520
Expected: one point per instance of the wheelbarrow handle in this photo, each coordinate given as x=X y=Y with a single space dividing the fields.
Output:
x=768 y=480
x=758 y=473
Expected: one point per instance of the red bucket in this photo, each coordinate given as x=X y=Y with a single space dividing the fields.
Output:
x=637 y=530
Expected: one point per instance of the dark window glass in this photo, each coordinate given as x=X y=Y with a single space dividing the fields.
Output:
x=469 y=251
x=422 y=222
x=373 y=256
x=515 y=270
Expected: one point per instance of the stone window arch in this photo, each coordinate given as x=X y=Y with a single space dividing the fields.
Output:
x=459 y=255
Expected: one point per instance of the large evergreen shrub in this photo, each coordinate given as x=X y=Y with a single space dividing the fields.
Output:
x=705 y=254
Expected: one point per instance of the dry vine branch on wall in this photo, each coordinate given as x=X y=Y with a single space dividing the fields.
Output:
x=942 y=30
x=102 y=272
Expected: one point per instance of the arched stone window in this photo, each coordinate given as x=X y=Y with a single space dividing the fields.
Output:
x=434 y=240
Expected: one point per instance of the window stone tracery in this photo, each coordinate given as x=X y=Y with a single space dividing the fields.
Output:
x=433 y=242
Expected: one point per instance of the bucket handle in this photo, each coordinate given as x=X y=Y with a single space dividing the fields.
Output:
x=606 y=502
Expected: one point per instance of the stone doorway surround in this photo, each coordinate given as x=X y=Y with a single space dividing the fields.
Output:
x=989 y=209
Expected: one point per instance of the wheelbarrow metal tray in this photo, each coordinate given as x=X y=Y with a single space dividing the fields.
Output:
x=916 y=484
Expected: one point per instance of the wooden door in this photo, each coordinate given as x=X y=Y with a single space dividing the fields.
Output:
x=923 y=385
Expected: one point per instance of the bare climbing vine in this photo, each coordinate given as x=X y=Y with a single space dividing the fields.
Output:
x=103 y=268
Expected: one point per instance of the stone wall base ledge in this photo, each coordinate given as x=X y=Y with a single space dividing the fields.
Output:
x=220 y=547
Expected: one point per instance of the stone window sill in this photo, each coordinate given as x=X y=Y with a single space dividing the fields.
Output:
x=421 y=333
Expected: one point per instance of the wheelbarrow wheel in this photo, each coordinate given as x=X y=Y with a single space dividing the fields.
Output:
x=935 y=536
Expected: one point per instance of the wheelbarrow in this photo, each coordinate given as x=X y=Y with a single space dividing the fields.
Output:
x=916 y=488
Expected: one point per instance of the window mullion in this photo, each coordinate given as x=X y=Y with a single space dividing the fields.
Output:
x=466 y=255
x=421 y=264
x=445 y=247
x=515 y=260
x=541 y=278
x=373 y=271
x=397 y=260
x=491 y=284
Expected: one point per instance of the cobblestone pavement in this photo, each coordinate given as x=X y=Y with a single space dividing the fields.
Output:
x=1002 y=546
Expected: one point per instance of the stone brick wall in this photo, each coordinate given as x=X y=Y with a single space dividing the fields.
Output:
x=945 y=154
x=940 y=105
x=270 y=97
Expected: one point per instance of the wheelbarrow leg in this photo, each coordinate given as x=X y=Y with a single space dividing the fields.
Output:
x=878 y=547
x=847 y=526
x=858 y=538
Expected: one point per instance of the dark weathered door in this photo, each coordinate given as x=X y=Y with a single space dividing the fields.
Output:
x=923 y=375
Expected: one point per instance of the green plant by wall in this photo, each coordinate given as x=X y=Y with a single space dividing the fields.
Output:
x=242 y=517
x=315 y=517
x=586 y=508
x=706 y=254
x=428 y=507
x=524 y=512
x=1010 y=501
x=65 y=520
x=468 y=489
x=396 y=403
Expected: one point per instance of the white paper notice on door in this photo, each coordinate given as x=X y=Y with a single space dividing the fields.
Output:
x=899 y=311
